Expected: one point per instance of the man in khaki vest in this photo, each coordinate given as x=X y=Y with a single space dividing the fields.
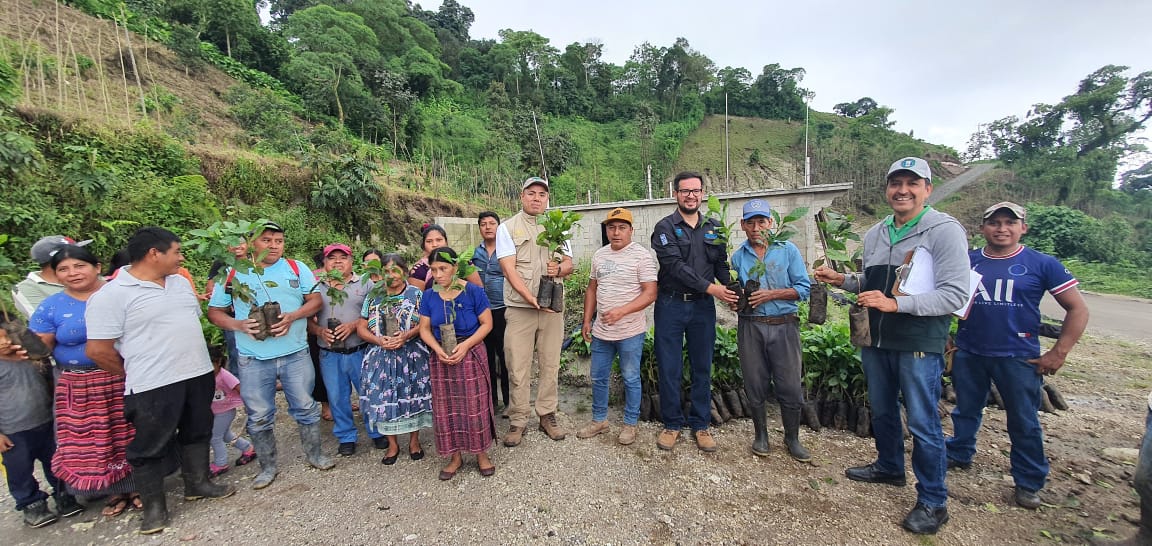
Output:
x=530 y=328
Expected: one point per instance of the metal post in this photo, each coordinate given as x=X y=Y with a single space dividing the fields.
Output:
x=727 y=184
x=649 y=178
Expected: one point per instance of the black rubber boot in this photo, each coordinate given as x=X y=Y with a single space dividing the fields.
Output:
x=265 y=443
x=791 y=420
x=760 y=428
x=197 y=485
x=150 y=483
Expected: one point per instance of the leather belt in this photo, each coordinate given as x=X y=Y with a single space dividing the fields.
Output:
x=78 y=369
x=782 y=319
x=684 y=296
x=346 y=351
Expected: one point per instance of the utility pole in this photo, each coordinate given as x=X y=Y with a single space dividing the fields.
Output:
x=727 y=184
x=649 y=178
x=807 y=159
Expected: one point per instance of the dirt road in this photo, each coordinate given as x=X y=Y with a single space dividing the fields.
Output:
x=1119 y=316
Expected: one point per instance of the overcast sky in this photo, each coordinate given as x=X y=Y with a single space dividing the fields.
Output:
x=944 y=69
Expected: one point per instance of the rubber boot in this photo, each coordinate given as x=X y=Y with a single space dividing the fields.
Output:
x=760 y=427
x=265 y=443
x=197 y=485
x=310 y=441
x=1143 y=536
x=150 y=483
x=791 y=420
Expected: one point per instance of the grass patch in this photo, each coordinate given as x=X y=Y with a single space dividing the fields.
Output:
x=1128 y=280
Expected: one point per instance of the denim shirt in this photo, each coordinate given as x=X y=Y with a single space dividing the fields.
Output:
x=491 y=274
x=785 y=269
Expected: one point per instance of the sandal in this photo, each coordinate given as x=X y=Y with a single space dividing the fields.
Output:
x=115 y=506
x=137 y=504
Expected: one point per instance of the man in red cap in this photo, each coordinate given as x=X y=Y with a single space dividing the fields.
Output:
x=341 y=349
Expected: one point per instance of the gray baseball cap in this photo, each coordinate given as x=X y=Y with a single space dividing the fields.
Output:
x=914 y=165
x=43 y=250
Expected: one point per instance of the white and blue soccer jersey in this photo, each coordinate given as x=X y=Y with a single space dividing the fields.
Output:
x=1005 y=316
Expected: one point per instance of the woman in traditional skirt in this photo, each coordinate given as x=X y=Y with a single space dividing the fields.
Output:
x=433 y=237
x=91 y=433
x=461 y=399
x=397 y=397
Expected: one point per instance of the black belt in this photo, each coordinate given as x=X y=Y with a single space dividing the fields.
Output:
x=782 y=319
x=684 y=296
x=346 y=351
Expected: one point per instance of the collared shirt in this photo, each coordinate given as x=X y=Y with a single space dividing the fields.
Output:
x=30 y=292
x=347 y=312
x=690 y=257
x=784 y=268
x=897 y=233
x=156 y=328
x=491 y=274
x=289 y=292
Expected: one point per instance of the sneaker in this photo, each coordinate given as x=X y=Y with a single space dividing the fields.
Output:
x=380 y=442
x=216 y=470
x=246 y=457
x=1028 y=499
x=67 y=506
x=667 y=439
x=549 y=426
x=346 y=449
x=592 y=429
x=37 y=514
x=923 y=520
x=957 y=465
x=515 y=434
x=627 y=435
x=704 y=441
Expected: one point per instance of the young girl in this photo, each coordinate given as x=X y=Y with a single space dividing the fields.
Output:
x=224 y=404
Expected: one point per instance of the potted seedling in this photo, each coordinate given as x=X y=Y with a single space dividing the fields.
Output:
x=333 y=282
x=15 y=331
x=719 y=211
x=464 y=268
x=836 y=231
x=374 y=269
x=557 y=226
x=214 y=243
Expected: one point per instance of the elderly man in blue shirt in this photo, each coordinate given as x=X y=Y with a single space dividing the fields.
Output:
x=769 y=337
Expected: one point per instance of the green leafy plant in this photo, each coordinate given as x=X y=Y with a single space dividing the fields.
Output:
x=837 y=232
x=214 y=243
x=557 y=226
x=719 y=211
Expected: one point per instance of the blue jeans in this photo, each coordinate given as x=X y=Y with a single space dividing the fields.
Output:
x=1019 y=386
x=603 y=353
x=29 y=446
x=341 y=375
x=258 y=389
x=676 y=320
x=917 y=376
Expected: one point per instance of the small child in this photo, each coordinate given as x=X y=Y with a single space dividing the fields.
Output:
x=224 y=404
x=26 y=436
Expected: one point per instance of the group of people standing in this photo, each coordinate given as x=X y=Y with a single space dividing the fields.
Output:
x=423 y=347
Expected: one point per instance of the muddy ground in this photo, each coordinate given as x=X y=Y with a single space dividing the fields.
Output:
x=597 y=492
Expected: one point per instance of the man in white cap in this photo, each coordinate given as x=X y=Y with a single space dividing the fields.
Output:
x=999 y=342
x=906 y=358
x=530 y=329
x=28 y=293
x=768 y=338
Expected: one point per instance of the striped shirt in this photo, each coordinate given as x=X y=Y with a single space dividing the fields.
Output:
x=618 y=274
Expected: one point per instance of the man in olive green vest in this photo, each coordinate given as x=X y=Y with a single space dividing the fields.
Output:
x=530 y=328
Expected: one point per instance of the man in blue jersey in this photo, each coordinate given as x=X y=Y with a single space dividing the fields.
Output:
x=282 y=357
x=999 y=342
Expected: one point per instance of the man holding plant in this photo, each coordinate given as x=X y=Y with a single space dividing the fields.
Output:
x=530 y=328
x=908 y=333
x=283 y=356
x=692 y=251
x=621 y=285
x=768 y=338
x=341 y=348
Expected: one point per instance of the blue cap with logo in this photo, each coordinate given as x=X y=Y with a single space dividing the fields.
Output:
x=914 y=165
x=756 y=207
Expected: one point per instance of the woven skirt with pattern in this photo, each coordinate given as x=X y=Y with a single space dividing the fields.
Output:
x=92 y=435
x=462 y=404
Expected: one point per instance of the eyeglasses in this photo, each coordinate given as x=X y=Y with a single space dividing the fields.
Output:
x=690 y=192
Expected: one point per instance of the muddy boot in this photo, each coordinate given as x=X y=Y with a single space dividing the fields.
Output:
x=194 y=465
x=1143 y=536
x=791 y=420
x=150 y=483
x=265 y=443
x=310 y=441
x=760 y=427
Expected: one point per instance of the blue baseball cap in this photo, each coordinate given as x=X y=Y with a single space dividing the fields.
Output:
x=756 y=207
